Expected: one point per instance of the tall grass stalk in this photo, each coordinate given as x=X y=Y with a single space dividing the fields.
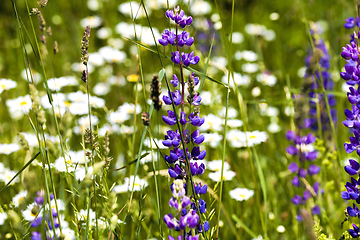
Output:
x=226 y=119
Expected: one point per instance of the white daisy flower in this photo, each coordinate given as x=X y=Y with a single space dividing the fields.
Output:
x=249 y=56
x=78 y=108
x=6 y=84
x=101 y=89
x=31 y=75
x=280 y=229
x=129 y=108
x=60 y=204
x=149 y=157
x=18 y=106
x=240 y=139
x=59 y=100
x=118 y=117
x=274 y=127
x=266 y=79
x=255 y=29
x=155 y=4
x=238 y=55
x=270 y=112
x=289 y=111
x=93 y=21
x=250 y=67
x=82 y=214
x=345 y=87
x=112 y=55
x=56 y=84
x=93 y=5
x=212 y=122
x=144 y=34
x=240 y=80
x=213 y=139
x=19 y=198
x=274 y=16
x=132 y=9
x=206 y=97
x=255 y=92
x=97 y=102
x=31 y=139
x=80 y=173
x=116 y=43
x=31 y=212
x=80 y=67
x=215 y=165
x=61 y=165
x=9 y=148
x=237 y=37
x=234 y=123
x=84 y=124
x=3 y=217
x=128 y=184
x=241 y=194
x=158 y=142
x=103 y=33
x=114 y=128
x=200 y=7
x=227 y=175
x=126 y=129
x=96 y=59
x=269 y=35
x=77 y=96
x=301 y=72
x=232 y=112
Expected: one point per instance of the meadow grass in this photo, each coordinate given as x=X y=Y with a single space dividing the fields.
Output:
x=77 y=140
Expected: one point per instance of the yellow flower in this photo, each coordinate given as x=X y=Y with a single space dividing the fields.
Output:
x=132 y=78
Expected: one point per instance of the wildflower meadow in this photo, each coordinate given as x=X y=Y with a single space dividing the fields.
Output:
x=179 y=119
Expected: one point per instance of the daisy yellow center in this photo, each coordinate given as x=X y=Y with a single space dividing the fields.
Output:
x=132 y=78
x=252 y=137
x=3 y=86
x=67 y=104
x=23 y=103
x=69 y=161
x=137 y=185
x=20 y=199
x=242 y=195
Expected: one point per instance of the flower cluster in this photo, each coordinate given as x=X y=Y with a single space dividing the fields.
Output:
x=306 y=153
x=352 y=75
x=183 y=161
x=317 y=69
x=179 y=39
x=36 y=217
x=187 y=211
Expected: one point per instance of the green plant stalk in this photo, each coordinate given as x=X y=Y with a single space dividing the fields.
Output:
x=49 y=96
x=226 y=119
x=92 y=162
x=242 y=107
x=40 y=145
x=47 y=192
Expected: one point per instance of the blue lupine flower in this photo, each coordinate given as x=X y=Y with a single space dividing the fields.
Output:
x=177 y=159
